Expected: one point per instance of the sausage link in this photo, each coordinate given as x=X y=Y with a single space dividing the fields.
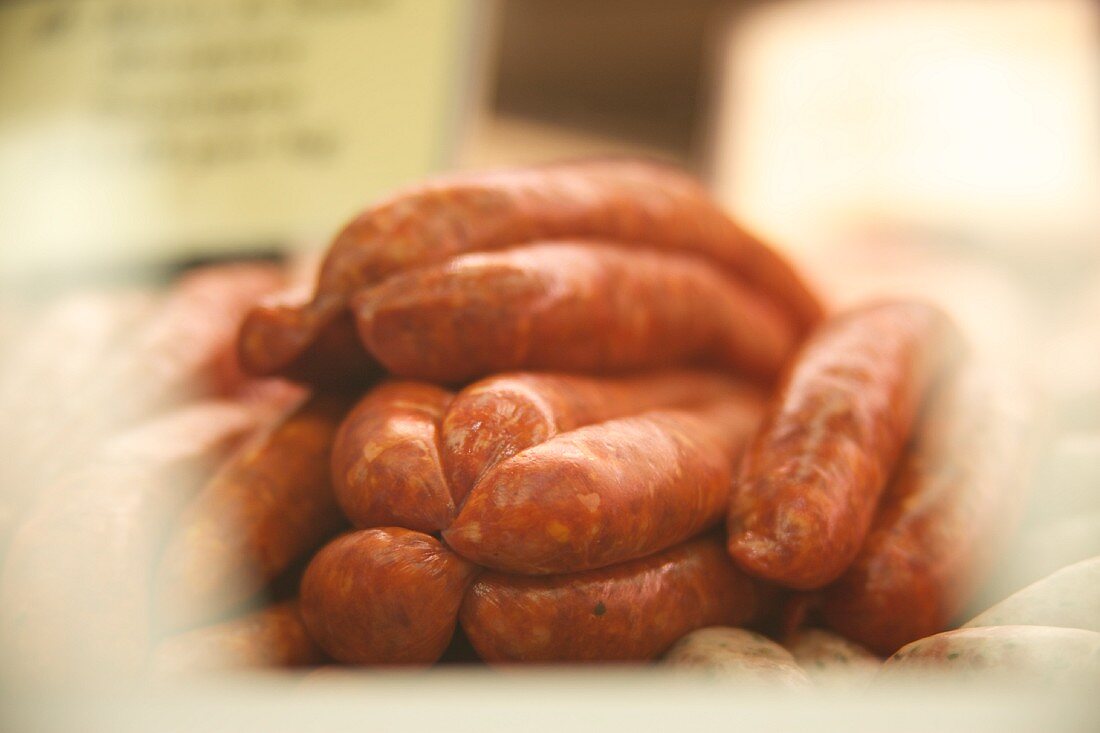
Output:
x=271 y=637
x=633 y=611
x=739 y=655
x=499 y=416
x=831 y=660
x=384 y=596
x=632 y=202
x=386 y=467
x=569 y=306
x=75 y=587
x=809 y=483
x=100 y=364
x=1069 y=597
x=1033 y=654
x=271 y=504
x=954 y=500
x=606 y=493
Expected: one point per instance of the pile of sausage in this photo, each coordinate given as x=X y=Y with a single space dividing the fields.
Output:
x=575 y=413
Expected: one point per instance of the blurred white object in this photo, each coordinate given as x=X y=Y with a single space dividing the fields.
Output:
x=967 y=115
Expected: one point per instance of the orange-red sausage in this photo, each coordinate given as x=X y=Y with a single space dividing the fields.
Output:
x=394 y=463
x=950 y=506
x=384 y=596
x=632 y=611
x=571 y=306
x=809 y=483
x=386 y=466
x=608 y=492
x=271 y=504
x=632 y=202
x=499 y=416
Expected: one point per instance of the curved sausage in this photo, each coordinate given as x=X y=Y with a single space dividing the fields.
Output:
x=271 y=637
x=740 y=655
x=384 y=596
x=499 y=416
x=954 y=500
x=76 y=578
x=386 y=466
x=1069 y=597
x=633 y=202
x=830 y=659
x=1033 y=654
x=102 y=363
x=568 y=306
x=271 y=504
x=809 y=482
x=606 y=493
x=632 y=611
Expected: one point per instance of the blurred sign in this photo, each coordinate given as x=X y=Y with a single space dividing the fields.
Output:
x=134 y=130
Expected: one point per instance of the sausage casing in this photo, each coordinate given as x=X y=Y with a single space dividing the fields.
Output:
x=811 y=479
x=628 y=612
x=384 y=596
x=954 y=500
x=268 y=506
x=386 y=464
x=571 y=306
x=632 y=202
x=608 y=492
x=500 y=416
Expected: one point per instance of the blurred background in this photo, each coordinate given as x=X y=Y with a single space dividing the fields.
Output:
x=944 y=148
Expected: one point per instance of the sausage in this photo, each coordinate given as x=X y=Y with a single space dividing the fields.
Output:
x=954 y=500
x=570 y=306
x=271 y=637
x=628 y=612
x=187 y=348
x=74 y=592
x=55 y=357
x=499 y=416
x=386 y=467
x=1069 y=597
x=832 y=660
x=606 y=493
x=138 y=362
x=809 y=482
x=633 y=202
x=1033 y=654
x=384 y=596
x=270 y=505
x=738 y=654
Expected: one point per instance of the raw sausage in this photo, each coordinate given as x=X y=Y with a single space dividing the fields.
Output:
x=953 y=502
x=632 y=202
x=628 y=612
x=740 y=655
x=267 y=507
x=571 y=306
x=499 y=416
x=384 y=596
x=386 y=467
x=1069 y=597
x=271 y=637
x=810 y=480
x=608 y=492
x=1033 y=654
x=830 y=659
x=386 y=463
x=75 y=583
